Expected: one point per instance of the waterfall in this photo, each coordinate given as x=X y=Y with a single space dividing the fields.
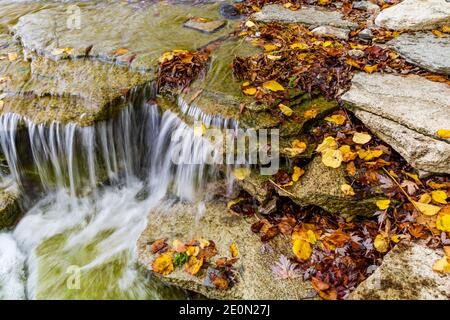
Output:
x=98 y=184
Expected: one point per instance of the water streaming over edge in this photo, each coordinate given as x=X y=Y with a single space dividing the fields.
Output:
x=98 y=183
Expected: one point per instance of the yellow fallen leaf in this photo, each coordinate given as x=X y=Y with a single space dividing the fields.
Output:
x=233 y=250
x=192 y=251
x=446 y=28
x=336 y=118
x=332 y=158
x=413 y=176
x=270 y=47
x=444 y=133
x=425 y=198
x=272 y=85
x=327 y=44
x=298 y=147
x=163 y=264
x=12 y=56
x=381 y=243
x=347 y=189
x=290 y=183
x=437 y=33
x=311 y=113
x=383 y=204
x=443 y=222
x=68 y=51
x=273 y=57
x=347 y=153
x=121 y=51
x=241 y=173
x=439 y=196
x=371 y=69
x=193 y=265
x=361 y=137
x=311 y=237
x=233 y=202
x=250 y=91
x=302 y=249
x=442 y=265
x=300 y=46
x=250 y=24
x=327 y=143
x=426 y=209
x=298 y=172
x=246 y=84
x=285 y=110
x=203 y=243
x=395 y=238
x=369 y=154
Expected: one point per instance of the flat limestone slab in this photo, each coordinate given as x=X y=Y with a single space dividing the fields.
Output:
x=204 y=26
x=424 y=50
x=307 y=15
x=145 y=32
x=406 y=274
x=406 y=112
x=415 y=15
x=254 y=274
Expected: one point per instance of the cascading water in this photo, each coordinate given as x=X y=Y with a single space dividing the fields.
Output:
x=98 y=184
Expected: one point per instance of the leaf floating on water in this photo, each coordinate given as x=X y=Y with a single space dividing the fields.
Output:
x=444 y=133
x=427 y=209
x=273 y=85
x=361 y=137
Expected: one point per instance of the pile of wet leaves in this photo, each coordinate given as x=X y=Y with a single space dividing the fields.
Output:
x=337 y=253
x=194 y=257
x=177 y=69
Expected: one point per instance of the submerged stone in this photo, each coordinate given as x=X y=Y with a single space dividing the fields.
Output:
x=421 y=109
x=145 y=34
x=255 y=279
x=204 y=26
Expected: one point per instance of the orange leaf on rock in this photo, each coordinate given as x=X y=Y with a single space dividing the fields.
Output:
x=163 y=264
x=233 y=250
x=193 y=265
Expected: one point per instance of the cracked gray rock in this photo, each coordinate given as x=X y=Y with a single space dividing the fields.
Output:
x=405 y=112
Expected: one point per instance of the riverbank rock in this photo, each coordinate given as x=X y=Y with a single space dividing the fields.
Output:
x=9 y=206
x=140 y=38
x=406 y=274
x=415 y=15
x=332 y=32
x=424 y=50
x=204 y=25
x=255 y=279
x=307 y=15
x=321 y=186
x=421 y=109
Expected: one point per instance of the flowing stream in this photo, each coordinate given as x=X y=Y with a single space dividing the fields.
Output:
x=97 y=185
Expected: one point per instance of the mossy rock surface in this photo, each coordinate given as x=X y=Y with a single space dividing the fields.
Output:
x=255 y=279
x=10 y=210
